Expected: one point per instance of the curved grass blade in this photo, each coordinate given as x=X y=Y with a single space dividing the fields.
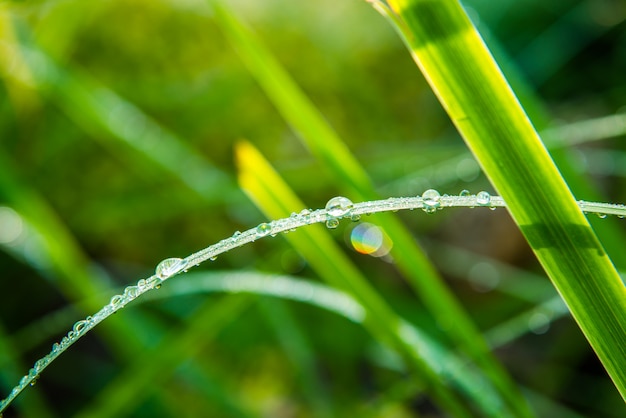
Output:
x=114 y=121
x=454 y=370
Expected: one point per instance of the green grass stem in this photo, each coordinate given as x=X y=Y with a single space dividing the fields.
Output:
x=467 y=81
x=325 y=144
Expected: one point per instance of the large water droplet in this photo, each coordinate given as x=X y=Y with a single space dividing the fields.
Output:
x=339 y=206
x=464 y=193
x=483 y=198
x=430 y=199
x=263 y=229
x=169 y=267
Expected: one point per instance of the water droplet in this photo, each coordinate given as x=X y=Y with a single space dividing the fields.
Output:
x=305 y=212
x=355 y=218
x=142 y=284
x=483 y=198
x=601 y=215
x=430 y=199
x=153 y=281
x=263 y=229
x=39 y=365
x=131 y=292
x=332 y=223
x=338 y=206
x=169 y=267
x=213 y=258
x=116 y=301
x=236 y=234
x=55 y=347
x=464 y=193
x=80 y=326
x=34 y=381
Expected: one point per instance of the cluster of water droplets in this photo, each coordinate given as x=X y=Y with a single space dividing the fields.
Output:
x=336 y=209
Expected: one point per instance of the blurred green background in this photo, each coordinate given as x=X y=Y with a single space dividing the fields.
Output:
x=117 y=126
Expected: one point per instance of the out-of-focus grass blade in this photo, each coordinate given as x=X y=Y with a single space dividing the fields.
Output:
x=136 y=382
x=452 y=368
x=298 y=349
x=473 y=91
x=276 y=200
x=57 y=254
x=326 y=145
x=114 y=121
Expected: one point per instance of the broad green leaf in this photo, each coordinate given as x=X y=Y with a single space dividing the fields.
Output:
x=471 y=88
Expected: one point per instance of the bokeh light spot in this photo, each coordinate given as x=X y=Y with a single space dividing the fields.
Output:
x=370 y=239
x=11 y=226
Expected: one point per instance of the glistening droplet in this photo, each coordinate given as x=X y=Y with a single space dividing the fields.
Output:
x=116 y=301
x=169 y=267
x=79 y=326
x=464 y=193
x=263 y=230
x=483 y=198
x=332 y=223
x=339 y=206
x=430 y=199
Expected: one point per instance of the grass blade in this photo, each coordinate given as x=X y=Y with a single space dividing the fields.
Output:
x=274 y=197
x=117 y=123
x=467 y=81
x=325 y=144
x=129 y=388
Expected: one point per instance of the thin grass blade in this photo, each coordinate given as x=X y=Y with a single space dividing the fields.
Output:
x=275 y=199
x=325 y=144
